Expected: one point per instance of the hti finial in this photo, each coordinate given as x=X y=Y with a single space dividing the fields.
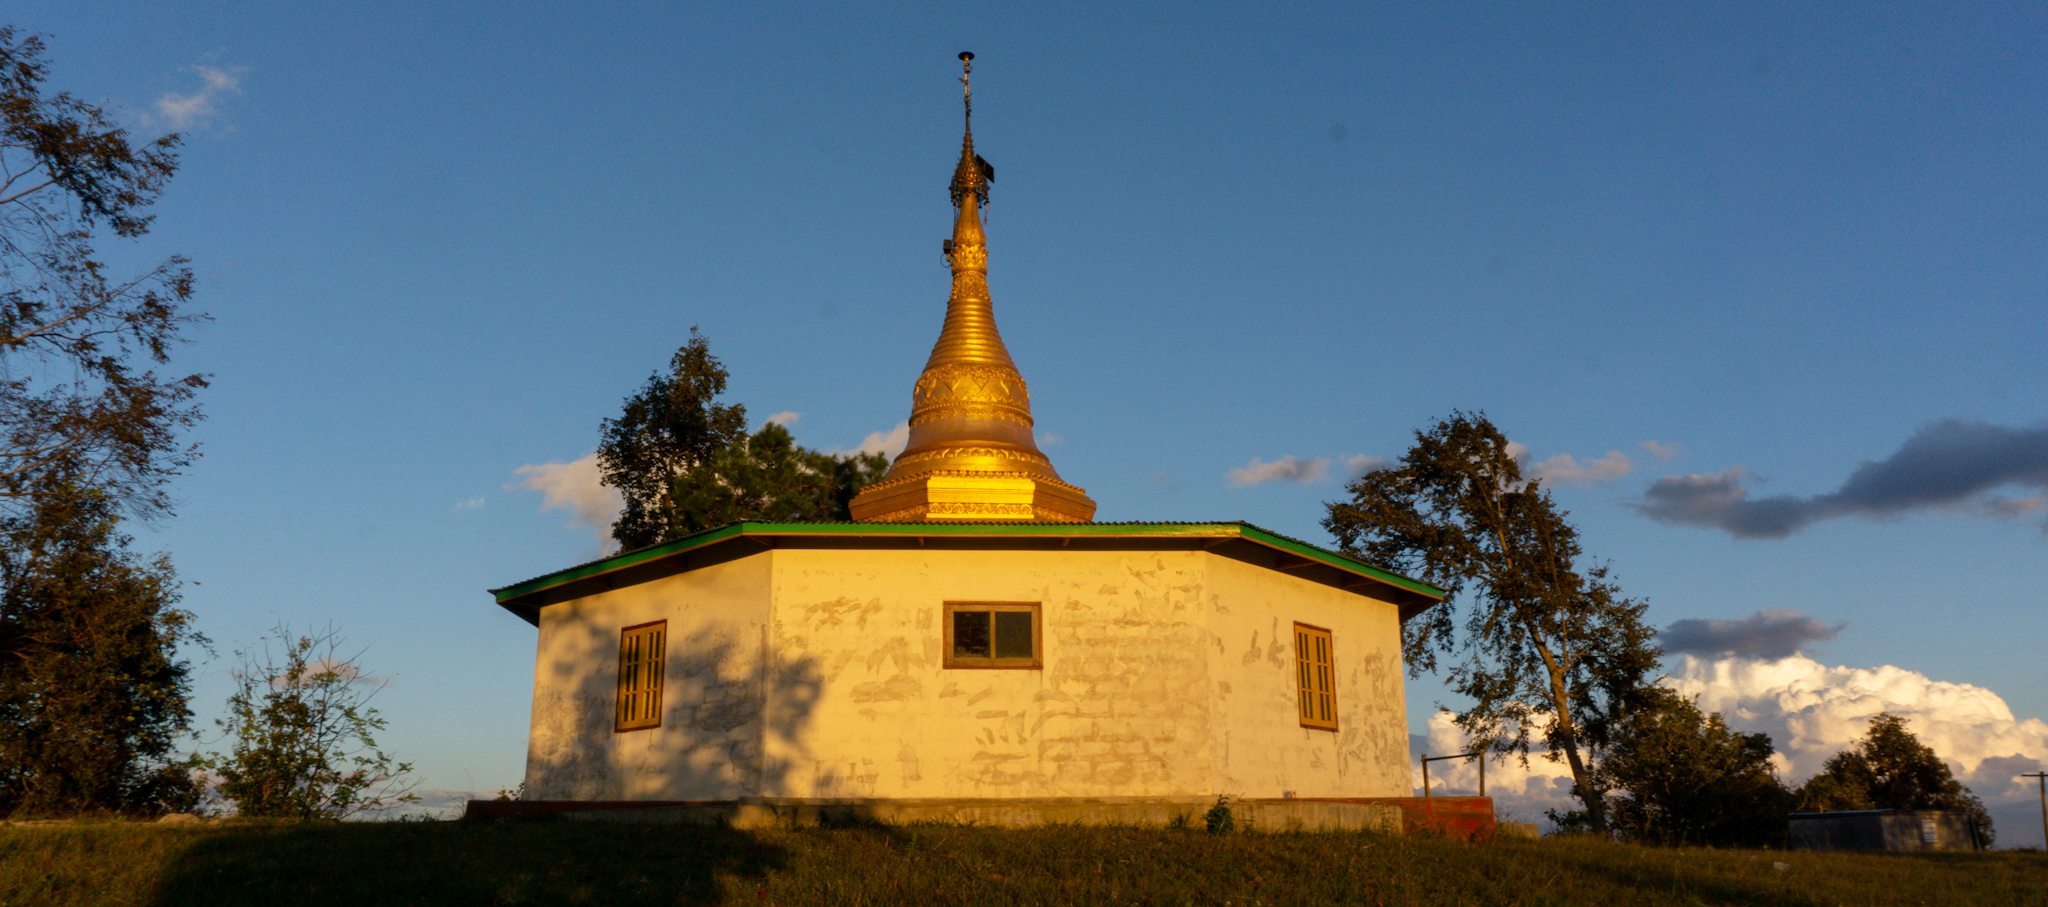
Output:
x=973 y=174
x=967 y=70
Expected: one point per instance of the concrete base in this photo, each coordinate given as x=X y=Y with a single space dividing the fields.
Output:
x=770 y=812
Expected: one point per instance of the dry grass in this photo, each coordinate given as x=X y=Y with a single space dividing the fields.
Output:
x=592 y=863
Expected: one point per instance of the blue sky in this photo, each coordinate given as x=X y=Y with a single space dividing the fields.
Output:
x=442 y=242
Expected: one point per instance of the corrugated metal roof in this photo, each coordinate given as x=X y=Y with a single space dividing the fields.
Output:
x=1238 y=528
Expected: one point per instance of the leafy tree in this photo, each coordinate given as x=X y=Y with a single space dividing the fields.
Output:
x=766 y=476
x=1891 y=769
x=1686 y=778
x=685 y=463
x=78 y=406
x=1549 y=646
x=301 y=728
x=669 y=427
x=92 y=694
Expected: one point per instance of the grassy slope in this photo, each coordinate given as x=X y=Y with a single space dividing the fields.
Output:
x=578 y=863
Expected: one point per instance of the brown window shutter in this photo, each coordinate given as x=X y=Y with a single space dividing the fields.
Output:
x=1316 y=676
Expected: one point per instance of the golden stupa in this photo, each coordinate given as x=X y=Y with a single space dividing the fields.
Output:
x=970 y=457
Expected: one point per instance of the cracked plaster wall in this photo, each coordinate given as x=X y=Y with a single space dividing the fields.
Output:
x=1119 y=709
x=819 y=673
x=1262 y=750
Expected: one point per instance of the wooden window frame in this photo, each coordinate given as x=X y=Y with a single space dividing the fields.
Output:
x=638 y=706
x=1315 y=677
x=1035 y=662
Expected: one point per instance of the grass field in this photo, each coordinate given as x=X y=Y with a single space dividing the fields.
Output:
x=362 y=864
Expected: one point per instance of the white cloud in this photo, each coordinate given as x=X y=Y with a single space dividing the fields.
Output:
x=199 y=108
x=1564 y=470
x=1285 y=469
x=784 y=419
x=1811 y=712
x=888 y=444
x=1048 y=439
x=1355 y=466
x=471 y=503
x=575 y=486
x=1662 y=451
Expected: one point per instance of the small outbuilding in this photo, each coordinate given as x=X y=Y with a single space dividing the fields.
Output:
x=1884 y=829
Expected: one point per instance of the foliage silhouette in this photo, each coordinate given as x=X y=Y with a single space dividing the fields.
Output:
x=300 y=730
x=92 y=694
x=1685 y=779
x=77 y=405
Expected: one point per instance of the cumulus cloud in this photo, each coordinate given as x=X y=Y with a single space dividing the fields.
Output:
x=470 y=503
x=1662 y=451
x=887 y=443
x=189 y=110
x=1948 y=465
x=1564 y=470
x=1811 y=712
x=1285 y=469
x=1770 y=634
x=576 y=486
x=784 y=419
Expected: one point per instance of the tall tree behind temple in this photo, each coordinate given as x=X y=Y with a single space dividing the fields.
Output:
x=684 y=462
x=91 y=692
x=78 y=401
x=766 y=476
x=1550 y=647
x=672 y=425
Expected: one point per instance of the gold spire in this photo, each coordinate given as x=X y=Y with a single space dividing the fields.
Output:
x=970 y=456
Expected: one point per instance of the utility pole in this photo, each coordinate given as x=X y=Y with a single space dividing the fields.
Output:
x=2043 y=778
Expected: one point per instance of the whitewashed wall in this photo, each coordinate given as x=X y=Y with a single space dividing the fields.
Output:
x=819 y=673
x=1263 y=749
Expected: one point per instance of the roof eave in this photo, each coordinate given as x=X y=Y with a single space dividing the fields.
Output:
x=1412 y=596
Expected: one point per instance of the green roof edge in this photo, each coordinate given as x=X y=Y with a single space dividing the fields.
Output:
x=1144 y=530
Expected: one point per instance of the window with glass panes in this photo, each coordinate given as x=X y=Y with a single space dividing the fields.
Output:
x=1316 y=672
x=993 y=635
x=640 y=651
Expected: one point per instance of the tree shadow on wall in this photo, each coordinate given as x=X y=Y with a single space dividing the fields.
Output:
x=733 y=722
x=734 y=716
